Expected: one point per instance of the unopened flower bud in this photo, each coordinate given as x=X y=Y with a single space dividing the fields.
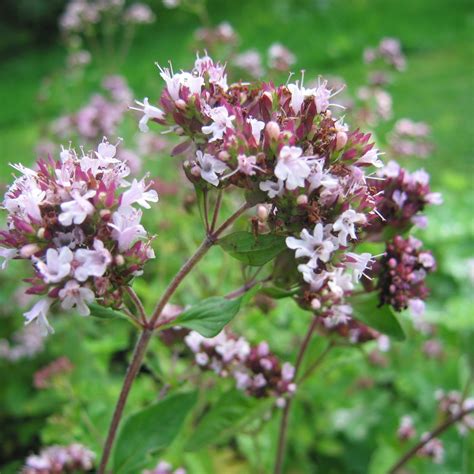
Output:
x=196 y=171
x=315 y=303
x=262 y=213
x=102 y=196
x=28 y=250
x=179 y=131
x=180 y=104
x=341 y=140
x=302 y=200
x=119 y=260
x=104 y=213
x=223 y=155
x=40 y=233
x=273 y=130
x=268 y=97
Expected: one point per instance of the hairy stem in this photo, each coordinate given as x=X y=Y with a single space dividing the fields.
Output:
x=436 y=432
x=150 y=325
x=280 y=455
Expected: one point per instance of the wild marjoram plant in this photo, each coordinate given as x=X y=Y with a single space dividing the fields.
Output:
x=321 y=191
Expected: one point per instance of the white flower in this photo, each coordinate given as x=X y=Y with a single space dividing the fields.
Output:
x=390 y=170
x=106 y=153
x=315 y=280
x=75 y=295
x=126 y=227
x=233 y=349
x=137 y=193
x=174 y=82
x=210 y=167
x=287 y=372
x=272 y=188
x=399 y=198
x=417 y=307
x=57 y=265
x=193 y=83
x=7 y=255
x=149 y=112
x=370 y=158
x=194 y=340
x=257 y=126
x=298 y=95
x=315 y=246
x=426 y=259
x=221 y=122
x=340 y=314
x=246 y=165
x=28 y=201
x=39 y=313
x=359 y=263
x=202 y=358
x=92 y=262
x=434 y=198
x=242 y=380
x=292 y=167
x=76 y=211
x=345 y=225
x=339 y=282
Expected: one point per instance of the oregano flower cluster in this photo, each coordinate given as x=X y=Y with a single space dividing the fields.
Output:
x=77 y=220
x=256 y=370
x=321 y=186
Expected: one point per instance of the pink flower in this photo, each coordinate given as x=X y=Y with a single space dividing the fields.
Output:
x=74 y=295
x=345 y=225
x=315 y=247
x=39 y=313
x=76 y=211
x=92 y=262
x=221 y=122
x=137 y=193
x=292 y=167
x=210 y=167
x=149 y=112
x=126 y=227
x=57 y=265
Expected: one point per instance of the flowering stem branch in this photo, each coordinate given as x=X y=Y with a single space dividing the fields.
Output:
x=137 y=302
x=310 y=370
x=436 y=432
x=151 y=325
x=206 y=212
x=216 y=210
x=280 y=455
x=246 y=287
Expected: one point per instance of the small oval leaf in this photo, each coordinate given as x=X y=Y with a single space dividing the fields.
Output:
x=253 y=250
x=208 y=317
x=99 y=311
x=148 y=430
x=367 y=310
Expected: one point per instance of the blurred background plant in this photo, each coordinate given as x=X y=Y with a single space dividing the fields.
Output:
x=71 y=69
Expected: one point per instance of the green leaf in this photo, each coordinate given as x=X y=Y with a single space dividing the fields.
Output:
x=102 y=312
x=209 y=316
x=149 y=430
x=253 y=250
x=279 y=293
x=382 y=319
x=231 y=411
